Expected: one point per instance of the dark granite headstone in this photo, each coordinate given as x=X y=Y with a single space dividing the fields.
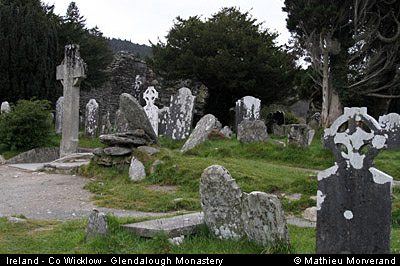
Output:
x=354 y=199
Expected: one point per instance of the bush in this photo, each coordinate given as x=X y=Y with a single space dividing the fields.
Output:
x=26 y=126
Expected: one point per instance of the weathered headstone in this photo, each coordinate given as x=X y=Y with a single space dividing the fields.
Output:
x=354 y=199
x=300 y=135
x=163 y=118
x=390 y=124
x=106 y=127
x=200 y=133
x=181 y=112
x=91 y=118
x=59 y=112
x=136 y=170
x=97 y=225
x=247 y=108
x=132 y=117
x=227 y=132
x=150 y=95
x=252 y=131
x=71 y=72
x=231 y=213
x=5 y=107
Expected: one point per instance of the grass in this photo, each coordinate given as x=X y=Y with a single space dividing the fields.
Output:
x=174 y=187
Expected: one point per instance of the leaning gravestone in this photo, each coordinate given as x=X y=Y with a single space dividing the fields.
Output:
x=132 y=117
x=390 y=124
x=354 y=199
x=300 y=135
x=5 y=107
x=71 y=72
x=181 y=113
x=231 y=213
x=200 y=133
x=247 y=108
x=91 y=118
x=150 y=95
x=59 y=112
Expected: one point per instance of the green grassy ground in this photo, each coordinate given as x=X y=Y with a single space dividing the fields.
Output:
x=256 y=167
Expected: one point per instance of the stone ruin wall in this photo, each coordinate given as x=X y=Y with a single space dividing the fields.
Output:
x=123 y=72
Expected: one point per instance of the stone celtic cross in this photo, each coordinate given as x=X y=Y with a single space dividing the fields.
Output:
x=150 y=95
x=71 y=72
x=354 y=198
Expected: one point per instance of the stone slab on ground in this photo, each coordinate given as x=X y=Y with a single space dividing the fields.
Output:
x=28 y=166
x=173 y=227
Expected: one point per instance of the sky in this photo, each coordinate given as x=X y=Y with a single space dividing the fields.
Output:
x=141 y=21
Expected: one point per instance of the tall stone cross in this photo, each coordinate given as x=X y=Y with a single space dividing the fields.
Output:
x=71 y=72
x=354 y=199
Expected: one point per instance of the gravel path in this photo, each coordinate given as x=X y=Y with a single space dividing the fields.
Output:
x=39 y=195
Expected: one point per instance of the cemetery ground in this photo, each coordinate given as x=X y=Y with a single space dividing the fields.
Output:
x=174 y=187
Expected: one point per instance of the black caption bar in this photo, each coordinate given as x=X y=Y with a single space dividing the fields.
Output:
x=219 y=260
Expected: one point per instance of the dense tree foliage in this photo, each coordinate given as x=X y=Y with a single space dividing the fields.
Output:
x=32 y=41
x=28 y=50
x=140 y=50
x=354 y=50
x=231 y=54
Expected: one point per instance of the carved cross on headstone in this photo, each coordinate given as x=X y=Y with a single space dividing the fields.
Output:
x=71 y=72
x=354 y=199
x=150 y=95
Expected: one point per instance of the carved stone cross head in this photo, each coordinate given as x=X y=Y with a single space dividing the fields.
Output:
x=72 y=68
x=355 y=138
x=150 y=95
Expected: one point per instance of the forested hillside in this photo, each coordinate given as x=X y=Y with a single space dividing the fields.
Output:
x=125 y=45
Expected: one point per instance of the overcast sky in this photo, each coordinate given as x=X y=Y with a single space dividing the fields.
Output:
x=144 y=20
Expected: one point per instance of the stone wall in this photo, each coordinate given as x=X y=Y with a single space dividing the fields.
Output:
x=132 y=75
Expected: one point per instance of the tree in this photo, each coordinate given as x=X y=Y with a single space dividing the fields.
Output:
x=94 y=47
x=28 y=50
x=353 y=46
x=231 y=54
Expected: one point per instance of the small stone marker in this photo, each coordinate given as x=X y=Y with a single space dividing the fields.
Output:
x=390 y=123
x=300 y=135
x=181 y=113
x=71 y=73
x=5 y=107
x=91 y=121
x=97 y=225
x=173 y=227
x=59 y=113
x=136 y=170
x=150 y=95
x=354 y=199
x=106 y=127
x=247 y=108
x=231 y=213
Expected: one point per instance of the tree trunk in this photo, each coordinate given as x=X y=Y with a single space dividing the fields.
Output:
x=325 y=90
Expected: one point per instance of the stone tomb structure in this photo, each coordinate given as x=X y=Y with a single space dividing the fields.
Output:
x=71 y=73
x=247 y=108
x=354 y=199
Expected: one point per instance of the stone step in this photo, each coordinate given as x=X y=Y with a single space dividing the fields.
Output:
x=173 y=227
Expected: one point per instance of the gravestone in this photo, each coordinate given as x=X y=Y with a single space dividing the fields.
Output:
x=300 y=135
x=136 y=170
x=91 y=118
x=97 y=225
x=390 y=124
x=231 y=213
x=252 y=131
x=247 y=108
x=150 y=95
x=181 y=113
x=71 y=73
x=5 y=107
x=106 y=127
x=163 y=118
x=59 y=112
x=354 y=199
x=201 y=132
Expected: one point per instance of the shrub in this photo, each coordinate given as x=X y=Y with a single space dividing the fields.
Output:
x=26 y=126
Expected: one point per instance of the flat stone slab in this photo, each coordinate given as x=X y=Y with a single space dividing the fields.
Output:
x=173 y=227
x=28 y=166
